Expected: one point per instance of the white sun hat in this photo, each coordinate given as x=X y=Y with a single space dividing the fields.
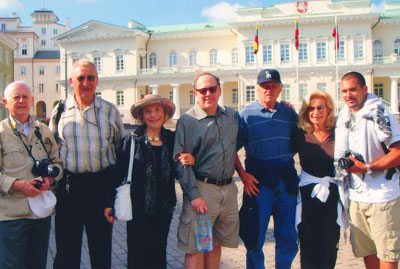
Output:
x=42 y=205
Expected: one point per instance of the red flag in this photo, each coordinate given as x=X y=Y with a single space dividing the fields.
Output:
x=296 y=34
x=256 y=40
x=335 y=34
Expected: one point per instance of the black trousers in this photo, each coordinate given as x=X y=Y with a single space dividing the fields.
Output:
x=82 y=207
x=318 y=231
x=147 y=241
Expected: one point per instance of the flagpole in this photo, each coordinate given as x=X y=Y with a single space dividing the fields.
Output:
x=337 y=46
x=297 y=71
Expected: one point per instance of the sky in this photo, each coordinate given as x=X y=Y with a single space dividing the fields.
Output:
x=147 y=12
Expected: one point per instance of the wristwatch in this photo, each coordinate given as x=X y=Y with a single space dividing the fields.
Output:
x=369 y=171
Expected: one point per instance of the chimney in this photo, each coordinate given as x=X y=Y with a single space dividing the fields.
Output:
x=67 y=22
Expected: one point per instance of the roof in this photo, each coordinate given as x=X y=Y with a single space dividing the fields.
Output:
x=47 y=54
x=189 y=27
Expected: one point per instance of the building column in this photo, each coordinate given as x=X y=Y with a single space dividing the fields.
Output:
x=221 y=98
x=154 y=89
x=176 y=101
x=394 y=96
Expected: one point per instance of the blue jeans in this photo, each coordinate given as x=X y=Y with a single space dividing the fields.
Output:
x=280 y=204
x=24 y=243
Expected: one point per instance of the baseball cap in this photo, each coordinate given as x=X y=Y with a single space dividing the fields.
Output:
x=268 y=75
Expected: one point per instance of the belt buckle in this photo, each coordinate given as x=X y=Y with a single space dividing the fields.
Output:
x=220 y=182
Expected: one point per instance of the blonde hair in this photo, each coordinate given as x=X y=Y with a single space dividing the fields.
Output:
x=82 y=62
x=304 y=121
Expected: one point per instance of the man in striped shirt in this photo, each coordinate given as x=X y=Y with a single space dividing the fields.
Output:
x=89 y=131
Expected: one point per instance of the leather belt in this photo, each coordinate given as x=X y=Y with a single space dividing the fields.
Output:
x=218 y=182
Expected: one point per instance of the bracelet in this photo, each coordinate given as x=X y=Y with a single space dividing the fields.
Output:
x=369 y=171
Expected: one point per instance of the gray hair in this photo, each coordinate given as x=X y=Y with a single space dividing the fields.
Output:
x=13 y=85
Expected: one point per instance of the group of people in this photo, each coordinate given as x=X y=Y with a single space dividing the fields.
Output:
x=349 y=176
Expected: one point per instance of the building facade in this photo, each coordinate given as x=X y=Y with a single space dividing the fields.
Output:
x=7 y=47
x=37 y=57
x=135 y=60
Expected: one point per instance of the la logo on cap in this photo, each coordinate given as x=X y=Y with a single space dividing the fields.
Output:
x=268 y=75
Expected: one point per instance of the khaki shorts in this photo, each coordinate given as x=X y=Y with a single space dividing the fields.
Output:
x=375 y=229
x=223 y=214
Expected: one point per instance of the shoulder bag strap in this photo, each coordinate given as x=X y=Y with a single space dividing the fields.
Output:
x=131 y=159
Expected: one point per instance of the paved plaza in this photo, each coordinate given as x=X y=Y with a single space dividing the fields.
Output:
x=231 y=258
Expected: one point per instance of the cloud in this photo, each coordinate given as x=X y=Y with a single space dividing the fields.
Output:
x=221 y=11
x=378 y=6
x=10 y=4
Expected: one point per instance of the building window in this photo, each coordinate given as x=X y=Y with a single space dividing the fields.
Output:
x=43 y=31
x=267 y=53
x=172 y=59
x=97 y=63
x=43 y=42
x=397 y=47
x=191 y=98
x=3 y=27
x=23 y=70
x=171 y=95
x=285 y=53
x=41 y=70
x=57 y=87
x=24 y=49
x=58 y=70
x=119 y=63
x=41 y=87
x=213 y=57
x=249 y=55
x=193 y=58
x=338 y=92
x=303 y=51
x=250 y=94
x=321 y=50
x=152 y=60
x=340 y=53
x=377 y=49
x=55 y=32
x=285 y=94
x=235 y=96
x=98 y=94
x=6 y=57
x=321 y=86
x=120 y=98
x=303 y=91
x=235 y=57
x=358 y=49
x=378 y=89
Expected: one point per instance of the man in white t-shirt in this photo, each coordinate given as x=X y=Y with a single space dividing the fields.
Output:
x=366 y=129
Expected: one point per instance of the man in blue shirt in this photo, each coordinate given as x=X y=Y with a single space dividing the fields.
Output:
x=270 y=177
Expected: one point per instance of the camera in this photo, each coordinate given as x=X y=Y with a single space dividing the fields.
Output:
x=45 y=168
x=345 y=162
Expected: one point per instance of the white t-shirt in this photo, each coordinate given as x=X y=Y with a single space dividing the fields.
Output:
x=374 y=187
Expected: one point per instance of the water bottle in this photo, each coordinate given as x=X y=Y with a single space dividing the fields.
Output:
x=204 y=233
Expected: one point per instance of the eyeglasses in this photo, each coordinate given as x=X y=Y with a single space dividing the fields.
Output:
x=319 y=108
x=204 y=90
x=82 y=78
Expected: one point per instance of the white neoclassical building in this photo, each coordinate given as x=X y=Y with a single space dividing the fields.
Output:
x=135 y=60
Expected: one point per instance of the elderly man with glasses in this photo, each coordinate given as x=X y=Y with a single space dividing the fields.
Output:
x=209 y=132
x=88 y=130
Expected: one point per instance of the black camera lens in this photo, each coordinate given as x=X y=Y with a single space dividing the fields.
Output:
x=345 y=163
x=52 y=170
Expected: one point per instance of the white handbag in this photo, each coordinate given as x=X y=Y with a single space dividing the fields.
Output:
x=123 y=203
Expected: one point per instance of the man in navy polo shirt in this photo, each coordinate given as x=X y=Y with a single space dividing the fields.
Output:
x=270 y=177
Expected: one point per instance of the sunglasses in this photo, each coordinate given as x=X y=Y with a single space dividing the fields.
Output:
x=319 y=108
x=82 y=78
x=204 y=90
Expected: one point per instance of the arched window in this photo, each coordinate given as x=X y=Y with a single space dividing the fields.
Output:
x=193 y=58
x=172 y=58
x=235 y=59
x=377 y=49
x=213 y=57
x=152 y=60
x=397 y=46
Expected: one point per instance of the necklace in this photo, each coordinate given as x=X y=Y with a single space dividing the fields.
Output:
x=151 y=138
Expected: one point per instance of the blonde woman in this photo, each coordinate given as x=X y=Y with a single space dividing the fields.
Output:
x=314 y=141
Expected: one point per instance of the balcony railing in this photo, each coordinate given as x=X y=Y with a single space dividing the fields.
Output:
x=392 y=59
x=386 y=103
x=189 y=69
